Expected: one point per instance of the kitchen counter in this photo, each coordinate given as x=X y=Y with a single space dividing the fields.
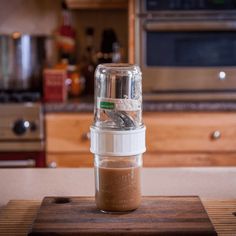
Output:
x=86 y=105
x=34 y=184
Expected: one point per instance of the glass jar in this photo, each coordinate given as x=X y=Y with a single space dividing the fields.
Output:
x=118 y=96
x=118 y=137
x=117 y=182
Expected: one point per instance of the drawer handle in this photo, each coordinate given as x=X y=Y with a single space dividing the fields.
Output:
x=17 y=163
x=86 y=136
x=216 y=135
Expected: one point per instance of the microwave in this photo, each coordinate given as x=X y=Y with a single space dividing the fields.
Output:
x=187 y=46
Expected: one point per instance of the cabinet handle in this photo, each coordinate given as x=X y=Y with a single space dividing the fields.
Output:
x=86 y=136
x=216 y=135
x=17 y=163
x=52 y=164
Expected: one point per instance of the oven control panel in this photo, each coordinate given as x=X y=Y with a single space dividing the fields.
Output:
x=21 y=121
x=21 y=126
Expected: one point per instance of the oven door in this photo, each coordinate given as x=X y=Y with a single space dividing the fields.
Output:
x=187 y=55
x=22 y=159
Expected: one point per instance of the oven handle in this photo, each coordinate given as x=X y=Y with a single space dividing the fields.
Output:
x=17 y=163
x=190 y=26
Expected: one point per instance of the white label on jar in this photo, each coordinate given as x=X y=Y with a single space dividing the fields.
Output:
x=119 y=104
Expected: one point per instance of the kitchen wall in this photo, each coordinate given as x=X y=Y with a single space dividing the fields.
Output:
x=29 y=16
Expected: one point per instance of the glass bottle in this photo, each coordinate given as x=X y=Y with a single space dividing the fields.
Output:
x=110 y=48
x=88 y=62
x=66 y=35
x=75 y=81
x=117 y=137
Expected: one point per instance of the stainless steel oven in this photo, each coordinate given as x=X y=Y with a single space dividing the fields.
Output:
x=21 y=134
x=187 y=46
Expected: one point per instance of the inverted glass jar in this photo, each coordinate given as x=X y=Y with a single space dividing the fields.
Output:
x=118 y=96
x=118 y=137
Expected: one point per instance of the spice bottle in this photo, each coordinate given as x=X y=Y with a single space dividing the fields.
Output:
x=118 y=137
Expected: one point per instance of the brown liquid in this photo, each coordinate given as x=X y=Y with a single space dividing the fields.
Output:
x=118 y=189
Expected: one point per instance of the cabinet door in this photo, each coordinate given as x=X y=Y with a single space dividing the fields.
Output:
x=190 y=131
x=68 y=132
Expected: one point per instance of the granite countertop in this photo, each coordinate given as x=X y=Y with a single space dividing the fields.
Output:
x=86 y=105
x=34 y=184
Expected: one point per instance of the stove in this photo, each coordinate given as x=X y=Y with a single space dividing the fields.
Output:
x=19 y=97
x=21 y=130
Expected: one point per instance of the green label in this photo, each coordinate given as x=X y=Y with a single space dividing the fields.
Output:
x=107 y=105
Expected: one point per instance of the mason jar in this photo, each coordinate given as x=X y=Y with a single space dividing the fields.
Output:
x=118 y=137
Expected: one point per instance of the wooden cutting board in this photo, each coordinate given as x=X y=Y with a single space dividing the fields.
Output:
x=156 y=216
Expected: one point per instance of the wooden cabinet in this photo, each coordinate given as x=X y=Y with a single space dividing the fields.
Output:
x=68 y=133
x=68 y=142
x=97 y=4
x=190 y=132
x=173 y=139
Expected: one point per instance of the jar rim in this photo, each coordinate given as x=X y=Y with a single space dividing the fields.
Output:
x=119 y=66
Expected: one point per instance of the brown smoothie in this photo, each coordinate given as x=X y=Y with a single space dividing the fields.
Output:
x=118 y=188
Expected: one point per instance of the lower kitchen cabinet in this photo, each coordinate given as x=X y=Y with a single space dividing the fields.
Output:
x=173 y=139
x=68 y=132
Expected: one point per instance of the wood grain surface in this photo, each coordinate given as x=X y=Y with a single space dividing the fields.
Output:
x=17 y=216
x=155 y=216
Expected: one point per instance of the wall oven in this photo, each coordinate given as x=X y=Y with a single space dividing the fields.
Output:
x=187 y=47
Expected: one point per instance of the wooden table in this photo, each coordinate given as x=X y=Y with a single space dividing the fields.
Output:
x=17 y=216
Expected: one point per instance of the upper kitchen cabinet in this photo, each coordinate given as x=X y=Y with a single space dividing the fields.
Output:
x=101 y=16
x=97 y=4
x=29 y=16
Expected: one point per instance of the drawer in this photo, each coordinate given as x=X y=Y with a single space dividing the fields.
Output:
x=69 y=160
x=68 y=132
x=193 y=131
x=189 y=159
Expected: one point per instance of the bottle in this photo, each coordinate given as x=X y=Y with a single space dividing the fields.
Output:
x=110 y=50
x=117 y=137
x=66 y=36
x=75 y=81
x=88 y=62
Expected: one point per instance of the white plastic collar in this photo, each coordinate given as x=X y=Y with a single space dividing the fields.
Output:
x=117 y=143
